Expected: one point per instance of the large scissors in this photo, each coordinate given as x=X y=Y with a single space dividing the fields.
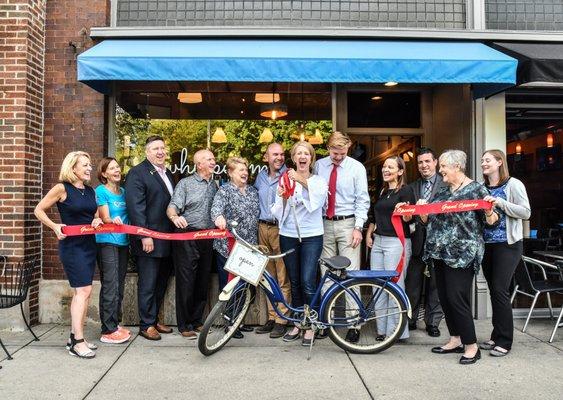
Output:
x=289 y=186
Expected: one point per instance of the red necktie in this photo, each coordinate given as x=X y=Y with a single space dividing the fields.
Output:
x=332 y=192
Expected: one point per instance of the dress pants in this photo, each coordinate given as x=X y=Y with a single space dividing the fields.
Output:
x=385 y=255
x=153 y=274
x=192 y=265
x=415 y=283
x=454 y=289
x=499 y=264
x=268 y=235
x=112 y=261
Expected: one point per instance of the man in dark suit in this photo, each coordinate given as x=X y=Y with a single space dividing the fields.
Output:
x=420 y=276
x=148 y=189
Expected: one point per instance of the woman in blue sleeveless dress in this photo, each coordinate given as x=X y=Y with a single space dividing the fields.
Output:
x=76 y=203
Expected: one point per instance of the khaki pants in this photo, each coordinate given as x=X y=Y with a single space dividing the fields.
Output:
x=268 y=235
x=337 y=241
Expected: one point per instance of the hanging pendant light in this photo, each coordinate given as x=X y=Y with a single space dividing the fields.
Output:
x=317 y=138
x=266 y=136
x=190 y=98
x=273 y=111
x=219 y=136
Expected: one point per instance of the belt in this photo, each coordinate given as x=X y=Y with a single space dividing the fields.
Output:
x=271 y=223
x=339 y=217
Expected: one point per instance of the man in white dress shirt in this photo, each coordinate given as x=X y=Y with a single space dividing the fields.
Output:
x=348 y=200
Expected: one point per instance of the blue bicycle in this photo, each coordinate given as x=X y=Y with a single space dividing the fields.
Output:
x=366 y=303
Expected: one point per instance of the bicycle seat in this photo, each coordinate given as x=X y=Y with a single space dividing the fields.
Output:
x=336 y=263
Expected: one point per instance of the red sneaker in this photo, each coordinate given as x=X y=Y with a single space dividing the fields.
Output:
x=115 y=337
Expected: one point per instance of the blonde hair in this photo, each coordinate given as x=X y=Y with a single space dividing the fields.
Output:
x=232 y=162
x=502 y=169
x=309 y=148
x=67 y=174
x=339 y=140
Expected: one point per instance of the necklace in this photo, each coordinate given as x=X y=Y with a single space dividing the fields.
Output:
x=457 y=188
x=81 y=190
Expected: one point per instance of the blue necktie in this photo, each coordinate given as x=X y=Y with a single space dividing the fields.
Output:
x=427 y=191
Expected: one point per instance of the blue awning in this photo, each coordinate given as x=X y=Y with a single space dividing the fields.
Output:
x=270 y=60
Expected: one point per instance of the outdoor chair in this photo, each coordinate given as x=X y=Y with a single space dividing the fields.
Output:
x=14 y=285
x=528 y=285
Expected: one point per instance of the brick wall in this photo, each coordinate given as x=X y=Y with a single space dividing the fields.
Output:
x=74 y=113
x=21 y=130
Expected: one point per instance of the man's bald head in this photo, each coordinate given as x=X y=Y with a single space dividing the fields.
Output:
x=204 y=161
x=275 y=157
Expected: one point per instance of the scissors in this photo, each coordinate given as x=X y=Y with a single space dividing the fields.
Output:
x=289 y=186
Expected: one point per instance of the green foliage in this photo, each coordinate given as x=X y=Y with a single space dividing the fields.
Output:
x=242 y=137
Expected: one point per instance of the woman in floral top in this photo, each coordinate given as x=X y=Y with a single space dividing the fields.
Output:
x=235 y=201
x=455 y=246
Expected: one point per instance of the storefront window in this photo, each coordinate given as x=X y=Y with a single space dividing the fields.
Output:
x=185 y=137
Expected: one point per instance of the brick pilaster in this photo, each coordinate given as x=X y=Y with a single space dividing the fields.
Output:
x=22 y=46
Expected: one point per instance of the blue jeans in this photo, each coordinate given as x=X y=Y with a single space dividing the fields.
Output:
x=301 y=267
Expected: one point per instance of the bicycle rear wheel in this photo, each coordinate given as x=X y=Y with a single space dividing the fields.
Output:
x=224 y=319
x=386 y=316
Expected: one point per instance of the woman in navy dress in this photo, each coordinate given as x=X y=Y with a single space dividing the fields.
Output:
x=76 y=203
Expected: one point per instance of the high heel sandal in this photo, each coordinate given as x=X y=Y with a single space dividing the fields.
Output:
x=84 y=354
x=91 y=346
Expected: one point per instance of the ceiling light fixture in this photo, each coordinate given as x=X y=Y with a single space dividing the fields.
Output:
x=376 y=98
x=391 y=83
x=549 y=139
x=190 y=98
x=267 y=97
x=273 y=111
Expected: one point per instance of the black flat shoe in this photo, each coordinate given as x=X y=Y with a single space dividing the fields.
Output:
x=470 y=360
x=433 y=331
x=322 y=334
x=380 y=338
x=288 y=337
x=238 y=334
x=440 y=350
x=244 y=328
x=353 y=336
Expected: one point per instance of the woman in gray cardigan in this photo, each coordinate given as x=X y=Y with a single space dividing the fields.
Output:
x=503 y=245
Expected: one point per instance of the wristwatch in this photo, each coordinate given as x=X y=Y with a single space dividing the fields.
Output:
x=359 y=228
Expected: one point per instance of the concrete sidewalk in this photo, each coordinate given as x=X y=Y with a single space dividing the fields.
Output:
x=260 y=368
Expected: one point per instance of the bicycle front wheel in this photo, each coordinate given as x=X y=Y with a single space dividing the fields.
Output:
x=224 y=319
x=368 y=322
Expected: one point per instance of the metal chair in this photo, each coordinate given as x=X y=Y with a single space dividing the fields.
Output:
x=528 y=286
x=14 y=285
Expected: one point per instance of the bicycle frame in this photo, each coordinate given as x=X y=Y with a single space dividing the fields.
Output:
x=319 y=302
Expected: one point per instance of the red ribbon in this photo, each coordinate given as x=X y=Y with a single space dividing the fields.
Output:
x=288 y=185
x=77 y=230
x=432 y=208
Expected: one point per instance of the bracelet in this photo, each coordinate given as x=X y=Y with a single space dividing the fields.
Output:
x=172 y=218
x=489 y=215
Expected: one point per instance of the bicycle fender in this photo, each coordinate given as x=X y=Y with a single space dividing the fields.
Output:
x=228 y=289
x=400 y=292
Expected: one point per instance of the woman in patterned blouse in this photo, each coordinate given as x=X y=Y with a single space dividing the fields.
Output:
x=455 y=246
x=235 y=201
x=503 y=246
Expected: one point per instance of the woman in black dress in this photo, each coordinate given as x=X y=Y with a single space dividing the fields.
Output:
x=76 y=203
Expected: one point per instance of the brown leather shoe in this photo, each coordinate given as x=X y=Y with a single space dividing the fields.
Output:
x=150 y=333
x=191 y=335
x=163 y=328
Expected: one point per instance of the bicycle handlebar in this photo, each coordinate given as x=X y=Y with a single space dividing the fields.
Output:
x=255 y=248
